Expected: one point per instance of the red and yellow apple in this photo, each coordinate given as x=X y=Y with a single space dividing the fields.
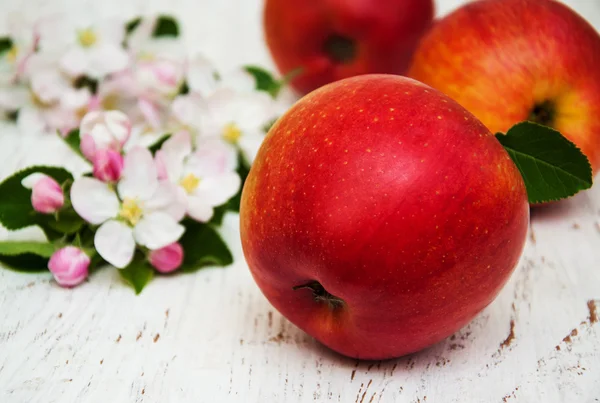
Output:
x=380 y=216
x=512 y=60
x=333 y=39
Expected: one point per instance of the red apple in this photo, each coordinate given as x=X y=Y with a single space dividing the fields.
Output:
x=380 y=216
x=334 y=39
x=512 y=60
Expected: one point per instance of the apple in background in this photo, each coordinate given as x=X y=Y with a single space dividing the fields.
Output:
x=380 y=216
x=512 y=60
x=334 y=39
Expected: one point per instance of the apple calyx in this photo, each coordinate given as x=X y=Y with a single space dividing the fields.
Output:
x=321 y=295
x=339 y=48
x=543 y=113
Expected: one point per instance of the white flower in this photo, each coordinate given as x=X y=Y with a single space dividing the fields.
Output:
x=206 y=177
x=238 y=118
x=23 y=35
x=86 y=48
x=146 y=211
x=52 y=103
x=203 y=78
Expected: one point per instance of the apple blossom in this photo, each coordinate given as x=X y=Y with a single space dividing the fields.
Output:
x=46 y=194
x=103 y=130
x=86 y=48
x=69 y=266
x=206 y=177
x=143 y=210
x=167 y=259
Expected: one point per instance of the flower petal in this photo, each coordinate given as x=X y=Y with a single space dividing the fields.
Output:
x=201 y=75
x=75 y=62
x=105 y=59
x=157 y=230
x=94 y=200
x=199 y=209
x=239 y=80
x=250 y=143
x=167 y=199
x=114 y=242
x=30 y=180
x=216 y=190
x=139 y=178
x=189 y=110
x=212 y=157
x=173 y=152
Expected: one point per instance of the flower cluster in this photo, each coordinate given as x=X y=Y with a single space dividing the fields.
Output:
x=167 y=137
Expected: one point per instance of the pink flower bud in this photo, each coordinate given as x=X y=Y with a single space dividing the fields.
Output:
x=108 y=165
x=69 y=266
x=46 y=195
x=167 y=259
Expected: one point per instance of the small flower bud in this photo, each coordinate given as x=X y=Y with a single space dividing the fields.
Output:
x=46 y=195
x=167 y=259
x=69 y=266
x=108 y=165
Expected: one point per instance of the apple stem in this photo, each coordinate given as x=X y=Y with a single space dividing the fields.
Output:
x=340 y=49
x=543 y=113
x=320 y=294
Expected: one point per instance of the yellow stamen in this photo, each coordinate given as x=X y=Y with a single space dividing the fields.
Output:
x=231 y=133
x=131 y=211
x=12 y=54
x=87 y=37
x=189 y=183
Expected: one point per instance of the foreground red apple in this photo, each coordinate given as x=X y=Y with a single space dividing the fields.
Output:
x=380 y=216
x=334 y=39
x=512 y=60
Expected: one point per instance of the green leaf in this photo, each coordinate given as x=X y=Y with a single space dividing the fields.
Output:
x=16 y=210
x=86 y=82
x=184 y=89
x=166 y=26
x=552 y=167
x=65 y=222
x=14 y=248
x=158 y=144
x=203 y=246
x=132 y=25
x=264 y=80
x=26 y=256
x=138 y=274
x=6 y=44
x=73 y=140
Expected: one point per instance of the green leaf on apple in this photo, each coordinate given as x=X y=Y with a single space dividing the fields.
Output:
x=16 y=210
x=552 y=167
x=6 y=44
x=203 y=246
x=26 y=255
x=138 y=274
x=166 y=26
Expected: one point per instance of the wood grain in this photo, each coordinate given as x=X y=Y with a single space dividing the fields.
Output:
x=213 y=337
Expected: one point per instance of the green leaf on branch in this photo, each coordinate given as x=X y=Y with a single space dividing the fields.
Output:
x=26 y=256
x=166 y=26
x=552 y=167
x=138 y=274
x=6 y=44
x=158 y=144
x=16 y=210
x=65 y=222
x=14 y=248
x=264 y=80
x=203 y=246
x=132 y=25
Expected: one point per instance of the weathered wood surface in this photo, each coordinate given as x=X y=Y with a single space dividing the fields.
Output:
x=212 y=336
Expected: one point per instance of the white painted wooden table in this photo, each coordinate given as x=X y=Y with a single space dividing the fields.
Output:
x=213 y=337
